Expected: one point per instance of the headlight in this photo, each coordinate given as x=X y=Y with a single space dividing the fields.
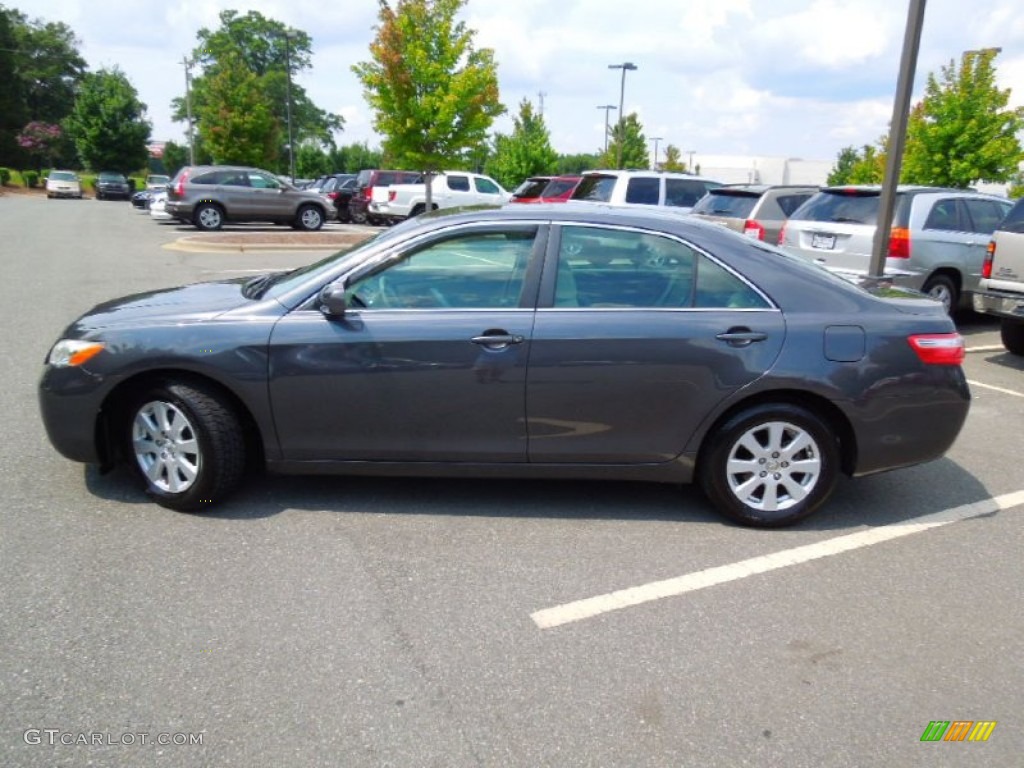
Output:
x=73 y=352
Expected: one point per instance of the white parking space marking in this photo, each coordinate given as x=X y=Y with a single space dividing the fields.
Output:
x=989 y=348
x=709 y=577
x=995 y=389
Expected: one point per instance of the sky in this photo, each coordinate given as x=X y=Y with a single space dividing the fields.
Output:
x=788 y=78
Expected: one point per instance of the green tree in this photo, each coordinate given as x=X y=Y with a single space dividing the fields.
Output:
x=40 y=68
x=962 y=132
x=242 y=130
x=434 y=95
x=870 y=165
x=175 y=157
x=673 y=159
x=311 y=162
x=108 y=123
x=527 y=152
x=353 y=158
x=847 y=158
x=575 y=164
x=629 y=134
x=266 y=49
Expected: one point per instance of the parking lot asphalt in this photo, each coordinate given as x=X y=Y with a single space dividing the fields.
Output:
x=369 y=622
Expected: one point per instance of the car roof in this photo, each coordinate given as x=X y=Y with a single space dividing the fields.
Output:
x=642 y=172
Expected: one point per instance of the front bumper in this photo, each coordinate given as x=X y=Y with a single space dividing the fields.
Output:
x=70 y=403
x=999 y=303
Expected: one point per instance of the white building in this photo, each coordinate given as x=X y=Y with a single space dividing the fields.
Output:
x=760 y=169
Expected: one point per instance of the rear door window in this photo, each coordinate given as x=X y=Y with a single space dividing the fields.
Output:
x=458 y=183
x=643 y=191
x=945 y=215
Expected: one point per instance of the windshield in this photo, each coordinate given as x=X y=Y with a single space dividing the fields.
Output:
x=279 y=284
x=63 y=176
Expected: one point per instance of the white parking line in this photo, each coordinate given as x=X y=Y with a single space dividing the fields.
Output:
x=709 y=577
x=995 y=389
x=989 y=348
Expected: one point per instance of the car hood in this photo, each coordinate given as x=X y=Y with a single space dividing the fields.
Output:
x=186 y=304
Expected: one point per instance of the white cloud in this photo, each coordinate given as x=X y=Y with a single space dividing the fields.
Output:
x=790 y=77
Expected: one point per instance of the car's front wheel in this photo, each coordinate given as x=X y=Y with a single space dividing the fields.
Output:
x=187 y=444
x=208 y=217
x=1012 y=333
x=309 y=218
x=770 y=465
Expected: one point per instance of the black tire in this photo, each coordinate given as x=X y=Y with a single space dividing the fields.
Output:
x=942 y=288
x=208 y=217
x=187 y=445
x=417 y=210
x=309 y=218
x=1012 y=333
x=786 y=435
x=358 y=217
x=99 y=195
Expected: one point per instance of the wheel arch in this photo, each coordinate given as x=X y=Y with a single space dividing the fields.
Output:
x=821 y=406
x=114 y=411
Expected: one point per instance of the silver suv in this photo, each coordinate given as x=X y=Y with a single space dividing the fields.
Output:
x=937 y=244
x=1001 y=290
x=648 y=189
x=207 y=196
x=754 y=210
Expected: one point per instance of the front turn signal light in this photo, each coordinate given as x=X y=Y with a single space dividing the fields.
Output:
x=73 y=352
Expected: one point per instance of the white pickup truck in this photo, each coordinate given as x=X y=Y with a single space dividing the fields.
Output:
x=449 y=189
x=1001 y=288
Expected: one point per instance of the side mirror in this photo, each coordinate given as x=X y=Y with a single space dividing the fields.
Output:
x=332 y=300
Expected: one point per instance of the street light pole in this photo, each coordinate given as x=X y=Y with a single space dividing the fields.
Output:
x=625 y=66
x=288 y=102
x=188 y=109
x=655 y=139
x=607 y=128
x=689 y=166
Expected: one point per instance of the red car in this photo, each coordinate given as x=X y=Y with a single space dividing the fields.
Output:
x=545 y=189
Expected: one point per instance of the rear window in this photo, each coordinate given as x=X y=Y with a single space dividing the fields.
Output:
x=847 y=207
x=363 y=178
x=595 y=188
x=1014 y=221
x=558 y=187
x=727 y=203
x=531 y=188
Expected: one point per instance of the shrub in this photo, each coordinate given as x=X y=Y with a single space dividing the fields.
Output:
x=5 y=176
x=31 y=179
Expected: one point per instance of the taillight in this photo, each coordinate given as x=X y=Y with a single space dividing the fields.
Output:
x=752 y=228
x=332 y=195
x=179 y=189
x=899 y=243
x=938 y=348
x=782 y=235
x=392 y=194
x=990 y=254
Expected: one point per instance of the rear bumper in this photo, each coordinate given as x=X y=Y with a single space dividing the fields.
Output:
x=1000 y=303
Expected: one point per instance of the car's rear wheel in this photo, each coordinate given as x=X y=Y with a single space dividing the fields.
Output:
x=1012 y=333
x=208 y=217
x=309 y=218
x=942 y=288
x=770 y=465
x=187 y=444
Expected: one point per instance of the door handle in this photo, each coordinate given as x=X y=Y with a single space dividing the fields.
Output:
x=741 y=337
x=498 y=340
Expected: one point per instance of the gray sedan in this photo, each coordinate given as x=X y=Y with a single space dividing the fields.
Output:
x=557 y=341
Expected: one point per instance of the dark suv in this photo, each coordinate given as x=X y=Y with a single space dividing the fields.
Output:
x=365 y=182
x=210 y=195
x=110 y=186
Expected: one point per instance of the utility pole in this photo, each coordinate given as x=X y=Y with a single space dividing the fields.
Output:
x=288 y=104
x=540 y=98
